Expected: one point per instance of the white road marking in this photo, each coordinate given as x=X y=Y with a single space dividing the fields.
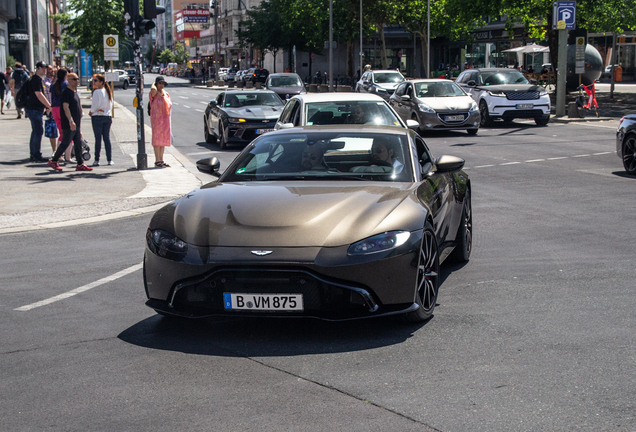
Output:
x=186 y=106
x=176 y=103
x=204 y=103
x=602 y=153
x=202 y=153
x=535 y=160
x=541 y=160
x=483 y=166
x=581 y=155
x=510 y=163
x=200 y=110
x=184 y=97
x=557 y=158
x=81 y=289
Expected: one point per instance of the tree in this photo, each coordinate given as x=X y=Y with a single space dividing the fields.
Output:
x=181 y=55
x=88 y=20
x=166 y=57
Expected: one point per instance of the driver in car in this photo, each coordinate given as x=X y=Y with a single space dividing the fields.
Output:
x=358 y=116
x=382 y=151
x=313 y=158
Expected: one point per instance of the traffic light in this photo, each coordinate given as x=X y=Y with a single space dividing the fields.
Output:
x=151 y=10
x=144 y=23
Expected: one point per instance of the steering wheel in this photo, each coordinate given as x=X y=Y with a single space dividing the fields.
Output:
x=380 y=163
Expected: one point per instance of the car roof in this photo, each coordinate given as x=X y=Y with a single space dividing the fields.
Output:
x=494 y=70
x=386 y=70
x=277 y=74
x=418 y=80
x=392 y=130
x=338 y=97
x=249 y=91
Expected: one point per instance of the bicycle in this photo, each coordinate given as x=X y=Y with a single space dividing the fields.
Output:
x=547 y=83
x=583 y=104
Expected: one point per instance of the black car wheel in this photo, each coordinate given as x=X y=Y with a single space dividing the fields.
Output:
x=543 y=121
x=485 y=117
x=125 y=85
x=209 y=138
x=222 y=138
x=464 y=239
x=472 y=131
x=427 y=278
x=629 y=154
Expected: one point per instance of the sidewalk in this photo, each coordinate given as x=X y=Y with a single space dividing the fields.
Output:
x=36 y=197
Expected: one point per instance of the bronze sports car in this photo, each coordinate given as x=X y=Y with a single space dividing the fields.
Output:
x=329 y=222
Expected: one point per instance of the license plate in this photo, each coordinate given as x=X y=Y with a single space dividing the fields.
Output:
x=525 y=106
x=263 y=302
x=455 y=118
x=262 y=131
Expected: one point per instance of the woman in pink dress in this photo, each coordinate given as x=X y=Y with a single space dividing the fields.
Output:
x=160 y=110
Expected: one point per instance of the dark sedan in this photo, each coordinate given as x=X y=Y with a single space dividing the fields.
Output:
x=239 y=116
x=327 y=222
x=131 y=75
x=626 y=142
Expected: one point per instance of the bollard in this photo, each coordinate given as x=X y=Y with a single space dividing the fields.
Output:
x=240 y=84
x=210 y=83
x=249 y=84
x=343 y=88
x=230 y=84
x=324 y=88
x=313 y=88
x=573 y=111
x=258 y=85
x=220 y=83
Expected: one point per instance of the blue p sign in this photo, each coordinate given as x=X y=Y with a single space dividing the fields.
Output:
x=564 y=15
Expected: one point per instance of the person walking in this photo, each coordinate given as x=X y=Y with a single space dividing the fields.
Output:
x=160 y=111
x=56 y=103
x=71 y=118
x=101 y=118
x=36 y=105
x=19 y=77
x=4 y=86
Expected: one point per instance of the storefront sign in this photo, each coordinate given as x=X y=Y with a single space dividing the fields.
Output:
x=19 y=37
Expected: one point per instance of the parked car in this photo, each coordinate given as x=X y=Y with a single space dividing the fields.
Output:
x=231 y=73
x=123 y=81
x=155 y=69
x=626 y=142
x=238 y=77
x=313 y=109
x=436 y=104
x=380 y=82
x=223 y=73
x=256 y=75
x=607 y=72
x=285 y=84
x=239 y=116
x=131 y=75
x=336 y=223
x=505 y=94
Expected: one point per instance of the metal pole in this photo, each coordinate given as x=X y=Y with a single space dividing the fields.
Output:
x=428 y=40
x=330 y=43
x=361 y=51
x=216 y=41
x=142 y=157
x=30 y=32
x=613 y=62
x=561 y=72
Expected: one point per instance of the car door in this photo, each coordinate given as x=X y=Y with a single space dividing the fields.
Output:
x=214 y=116
x=409 y=102
x=286 y=114
x=396 y=100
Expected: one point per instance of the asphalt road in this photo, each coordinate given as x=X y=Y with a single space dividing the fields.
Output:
x=536 y=333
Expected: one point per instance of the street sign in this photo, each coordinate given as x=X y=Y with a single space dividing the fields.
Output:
x=111 y=47
x=580 y=55
x=111 y=76
x=57 y=52
x=564 y=15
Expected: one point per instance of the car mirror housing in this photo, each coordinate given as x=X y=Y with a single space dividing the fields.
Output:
x=286 y=126
x=447 y=163
x=406 y=97
x=412 y=124
x=212 y=102
x=209 y=166
x=471 y=83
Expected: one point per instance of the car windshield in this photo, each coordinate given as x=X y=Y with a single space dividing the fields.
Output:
x=327 y=156
x=350 y=112
x=499 y=77
x=284 y=81
x=241 y=100
x=438 y=89
x=387 y=77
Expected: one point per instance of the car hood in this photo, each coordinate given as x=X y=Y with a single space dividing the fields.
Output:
x=259 y=112
x=459 y=103
x=287 y=90
x=512 y=87
x=293 y=214
x=387 y=86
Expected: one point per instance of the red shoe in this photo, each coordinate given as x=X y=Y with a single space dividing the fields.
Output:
x=83 y=167
x=56 y=166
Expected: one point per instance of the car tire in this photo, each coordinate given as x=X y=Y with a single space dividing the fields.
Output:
x=472 y=131
x=419 y=128
x=427 y=285
x=629 y=154
x=125 y=86
x=543 y=121
x=485 y=117
x=209 y=138
x=464 y=239
x=222 y=140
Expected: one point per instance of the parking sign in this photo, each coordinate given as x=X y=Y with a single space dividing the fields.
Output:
x=564 y=16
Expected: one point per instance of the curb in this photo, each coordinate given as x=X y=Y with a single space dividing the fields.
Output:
x=581 y=120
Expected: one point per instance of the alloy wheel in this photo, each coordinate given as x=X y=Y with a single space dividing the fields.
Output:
x=629 y=154
x=428 y=273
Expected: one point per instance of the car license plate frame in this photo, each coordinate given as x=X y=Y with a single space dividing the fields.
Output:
x=525 y=106
x=263 y=131
x=454 y=118
x=263 y=302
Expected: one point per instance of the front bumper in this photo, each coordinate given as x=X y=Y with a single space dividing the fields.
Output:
x=512 y=109
x=334 y=286
x=437 y=120
x=248 y=131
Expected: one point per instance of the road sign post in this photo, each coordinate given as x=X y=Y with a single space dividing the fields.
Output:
x=564 y=14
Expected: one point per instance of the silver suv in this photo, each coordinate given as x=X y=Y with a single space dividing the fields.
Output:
x=379 y=82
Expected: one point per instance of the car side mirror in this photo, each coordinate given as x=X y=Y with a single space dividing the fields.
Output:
x=471 y=83
x=406 y=97
x=412 y=124
x=447 y=163
x=209 y=166
x=286 y=125
x=212 y=103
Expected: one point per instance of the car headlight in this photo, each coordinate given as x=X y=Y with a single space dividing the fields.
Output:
x=543 y=93
x=474 y=108
x=497 y=93
x=379 y=243
x=425 y=108
x=165 y=244
x=236 y=120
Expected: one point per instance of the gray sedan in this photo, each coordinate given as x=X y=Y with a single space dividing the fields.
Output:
x=436 y=105
x=285 y=85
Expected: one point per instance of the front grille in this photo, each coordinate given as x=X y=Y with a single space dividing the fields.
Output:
x=442 y=117
x=529 y=95
x=320 y=297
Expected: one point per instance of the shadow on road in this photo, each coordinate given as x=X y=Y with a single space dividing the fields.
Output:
x=262 y=337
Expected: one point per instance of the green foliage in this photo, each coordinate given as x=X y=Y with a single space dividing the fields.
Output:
x=88 y=20
x=166 y=57
x=10 y=61
x=181 y=55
